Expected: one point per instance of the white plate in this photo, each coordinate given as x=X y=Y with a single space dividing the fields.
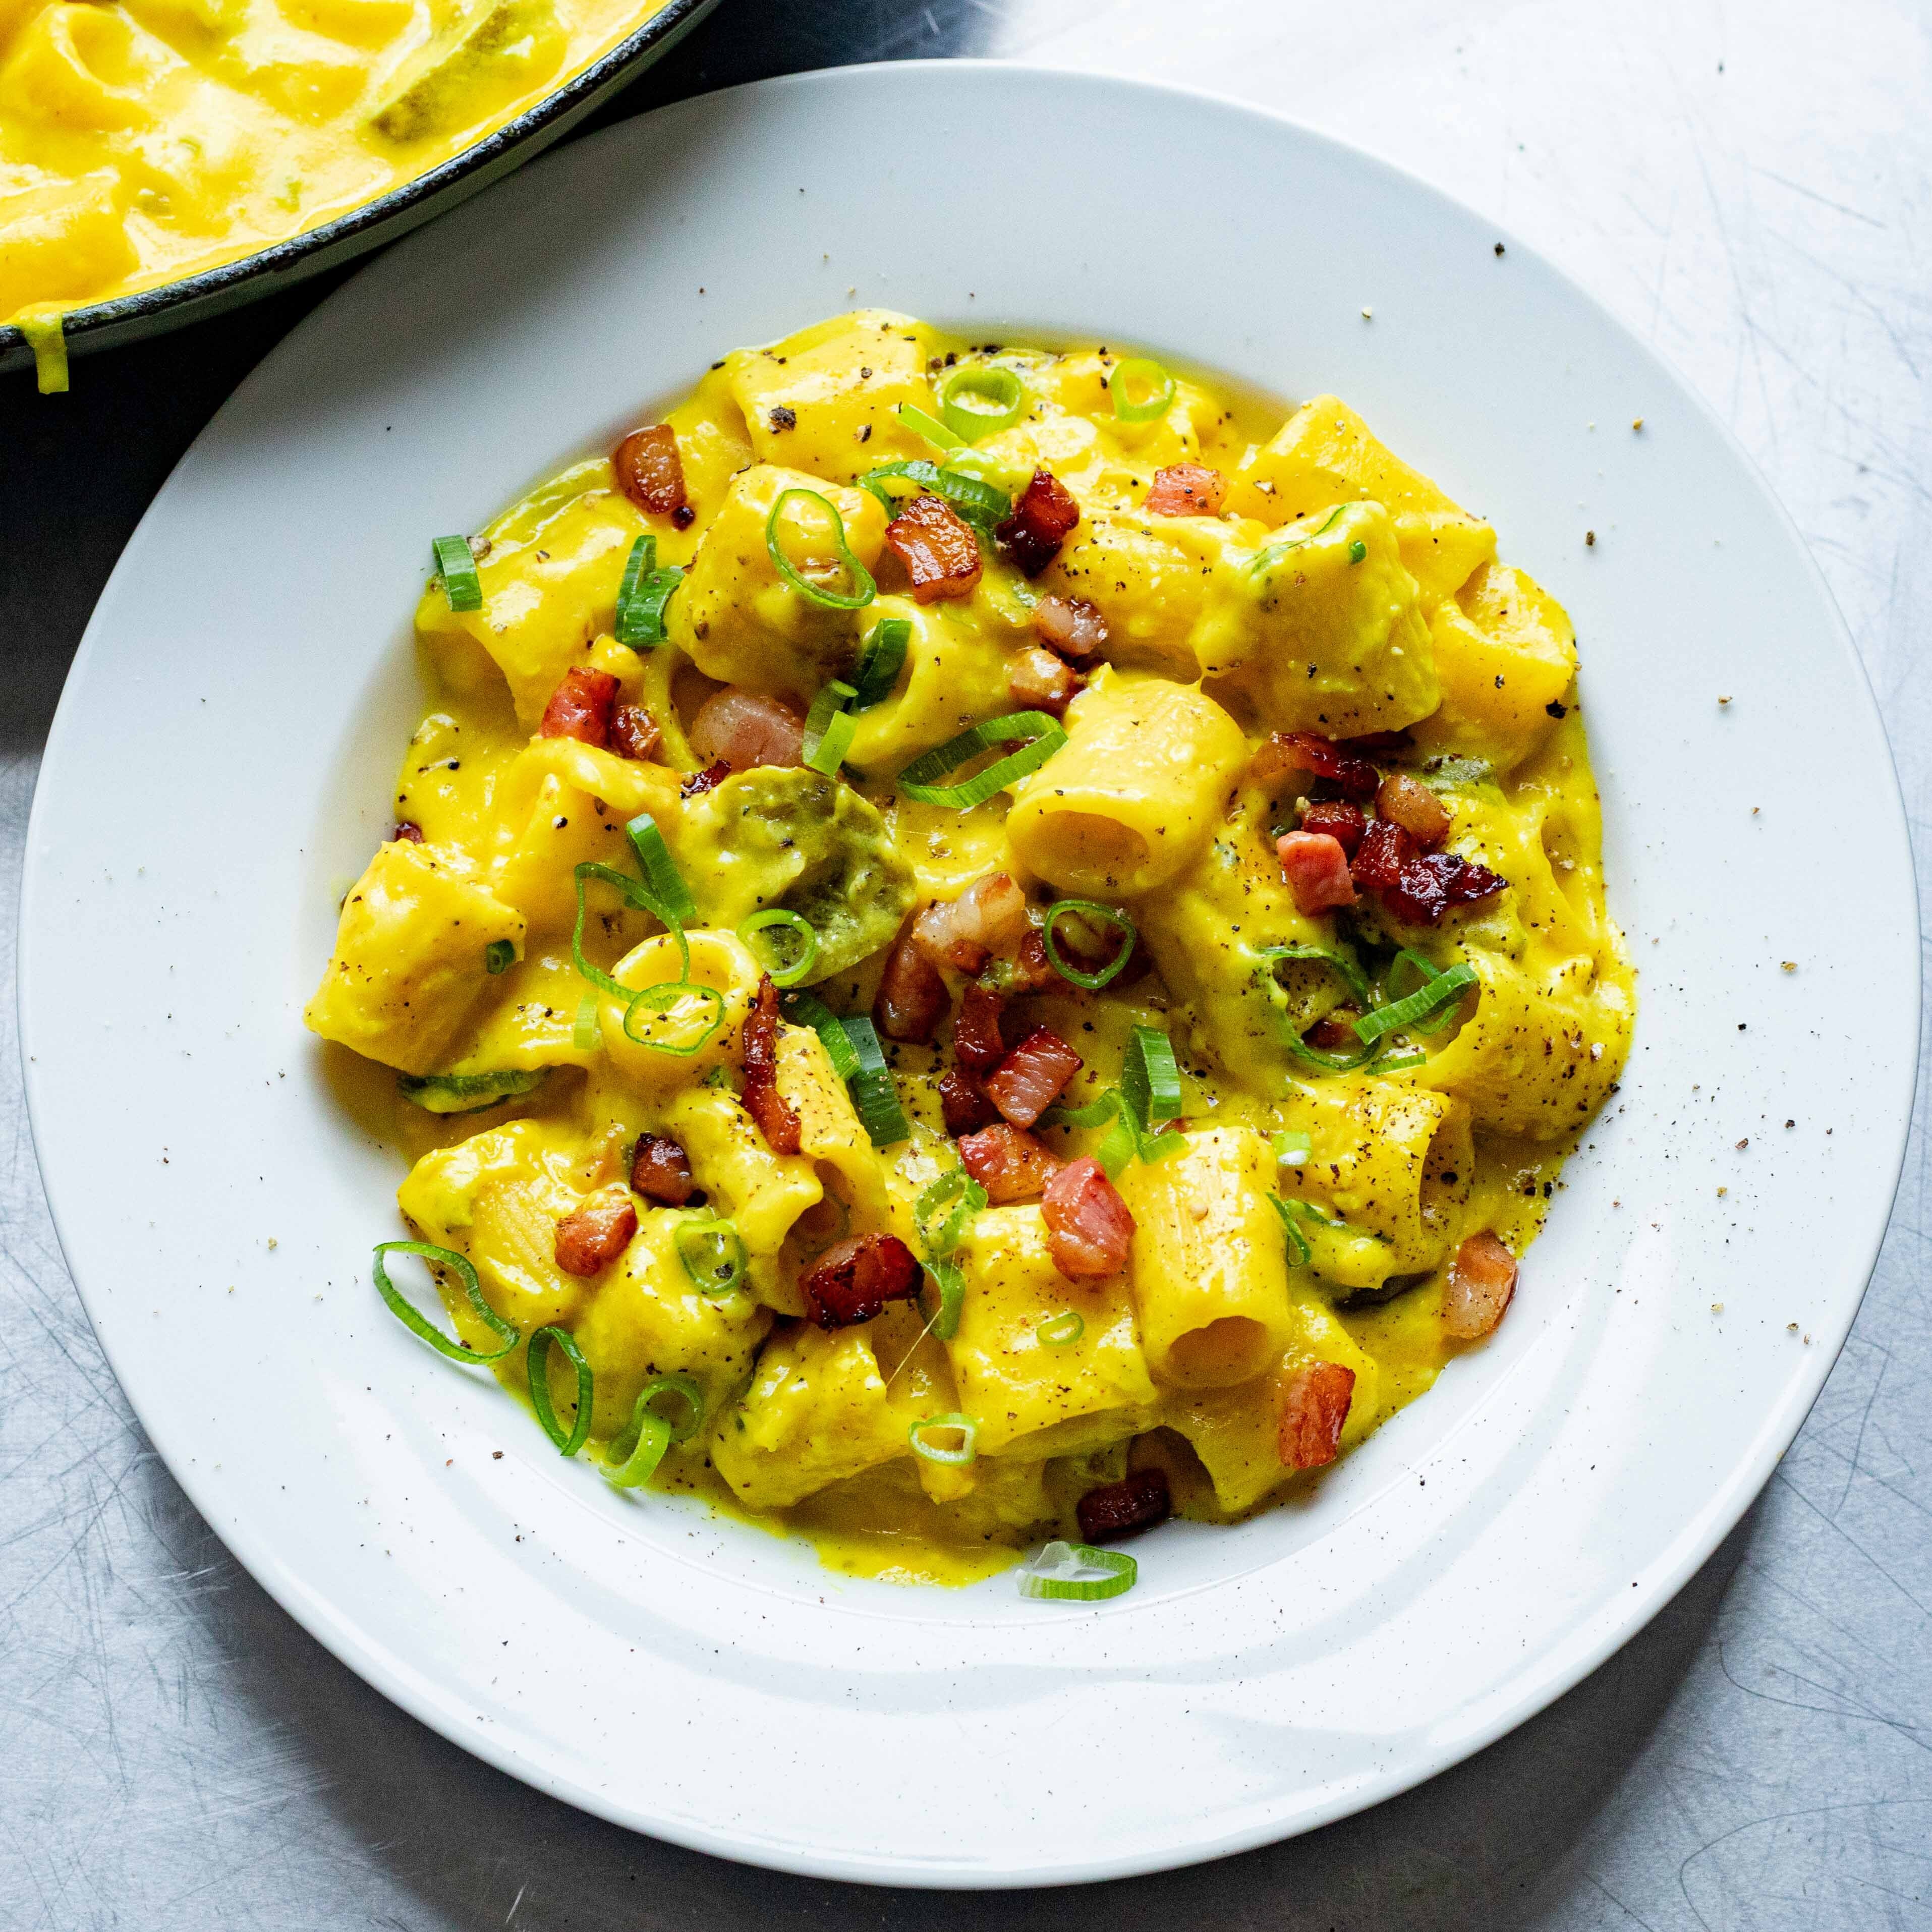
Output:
x=223 y=755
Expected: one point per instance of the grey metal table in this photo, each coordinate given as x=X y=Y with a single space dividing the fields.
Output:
x=1748 y=186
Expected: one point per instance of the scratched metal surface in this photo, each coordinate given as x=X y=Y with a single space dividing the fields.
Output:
x=1749 y=188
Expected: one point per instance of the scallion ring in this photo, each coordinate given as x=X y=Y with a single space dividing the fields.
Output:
x=568 y=1442
x=1299 y=1252
x=950 y=1278
x=1150 y=1077
x=966 y=1429
x=637 y=1452
x=1292 y=1149
x=668 y=996
x=920 y=424
x=1104 y=915
x=983 y=504
x=465 y=1093
x=1407 y=961
x=635 y=895
x=587 y=1033
x=1159 y=383
x=1001 y=400
x=863 y=589
x=1061 y=1331
x=713 y=1256
x=687 y=1391
x=829 y=728
x=808 y=1010
x=956 y=1190
x=642 y=593
x=874 y=1093
x=1077 y=1572
x=1437 y=990
x=456 y=565
x=499 y=955
x=671 y=897
x=879 y=662
x=1401 y=1063
x=1037 y=734
x=802 y=949
x=418 y=1325
x=1351 y=975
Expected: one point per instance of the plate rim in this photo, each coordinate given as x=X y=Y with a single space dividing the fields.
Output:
x=1595 y=1638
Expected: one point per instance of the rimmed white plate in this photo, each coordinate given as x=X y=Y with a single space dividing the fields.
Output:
x=224 y=754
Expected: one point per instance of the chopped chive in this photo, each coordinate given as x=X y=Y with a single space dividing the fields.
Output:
x=1037 y=735
x=464 y=1093
x=1089 y=909
x=712 y=1254
x=863 y=589
x=456 y=566
x=1061 y=1331
x=1001 y=401
x=1158 y=382
x=964 y=1451
x=797 y=969
x=1076 y=1573
x=499 y=955
x=406 y=1313
x=568 y=1442
x=643 y=593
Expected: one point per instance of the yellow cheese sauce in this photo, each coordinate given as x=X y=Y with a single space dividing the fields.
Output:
x=148 y=139
x=1304 y=1157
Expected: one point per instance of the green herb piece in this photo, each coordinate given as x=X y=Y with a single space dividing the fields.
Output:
x=803 y=949
x=862 y=590
x=1077 y=1572
x=568 y=1442
x=418 y=1325
x=1104 y=915
x=1037 y=735
x=1158 y=383
x=457 y=567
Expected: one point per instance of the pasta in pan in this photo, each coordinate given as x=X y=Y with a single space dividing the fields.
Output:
x=983 y=945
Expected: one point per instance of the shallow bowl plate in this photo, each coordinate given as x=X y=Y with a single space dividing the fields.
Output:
x=222 y=757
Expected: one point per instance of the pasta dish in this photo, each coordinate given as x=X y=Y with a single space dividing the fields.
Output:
x=982 y=945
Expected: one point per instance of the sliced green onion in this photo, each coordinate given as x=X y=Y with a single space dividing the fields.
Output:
x=1299 y=1252
x=955 y=1186
x=666 y=997
x=1091 y=1115
x=1401 y=1063
x=1061 y=1331
x=804 y=947
x=873 y=1092
x=643 y=593
x=568 y=1442
x=829 y=729
x=863 y=589
x=1150 y=1078
x=1437 y=990
x=1118 y=1145
x=966 y=1429
x=879 y=663
x=1002 y=401
x=712 y=1254
x=457 y=567
x=920 y=424
x=1351 y=975
x=1038 y=736
x=588 y=1031
x=983 y=504
x=1077 y=1572
x=950 y=1279
x=808 y=1010
x=1160 y=384
x=687 y=1392
x=634 y=894
x=464 y=1093
x=1358 y=550
x=1105 y=916
x=1266 y=559
x=671 y=897
x=1408 y=961
x=637 y=1452
x=499 y=955
x=1327 y=1062
x=406 y=1313
x=1292 y=1149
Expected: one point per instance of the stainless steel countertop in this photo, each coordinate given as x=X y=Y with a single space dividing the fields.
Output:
x=1748 y=187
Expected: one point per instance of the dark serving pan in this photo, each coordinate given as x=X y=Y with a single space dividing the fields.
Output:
x=129 y=318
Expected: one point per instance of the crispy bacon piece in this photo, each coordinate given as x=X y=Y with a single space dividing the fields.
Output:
x=1137 y=1501
x=650 y=472
x=1042 y=519
x=937 y=548
x=912 y=997
x=591 y=1238
x=1070 y=626
x=634 y=734
x=1287 y=752
x=854 y=1281
x=1029 y=1080
x=1314 y=1406
x=1408 y=803
x=1088 y=1228
x=1186 y=490
x=1032 y=971
x=579 y=707
x=1316 y=867
x=1008 y=1162
x=1428 y=886
x=661 y=1171
x=989 y=916
x=1036 y=680
x=1342 y=821
x=1379 y=744
x=709 y=779
x=743 y=730
x=408 y=829
x=977 y=1044
x=1379 y=860
x=766 y=1105
x=1334 y=1032
x=963 y=1101
x=1482 y=1279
